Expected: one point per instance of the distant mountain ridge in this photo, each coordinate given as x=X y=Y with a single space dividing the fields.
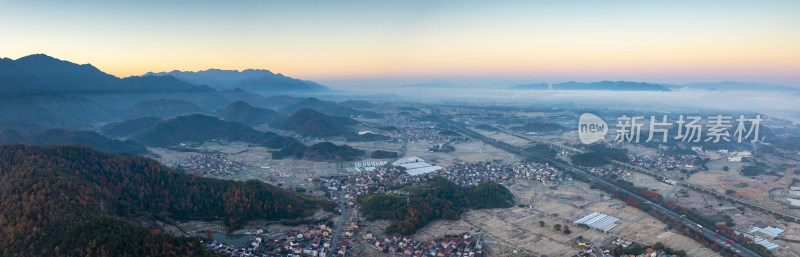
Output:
x=247 y=114
x=311 y=123
x=257 y=80
x=163 y=108
x=40 y=73
x=601 y=85
x=129 y=127
x=67 y=137
x=200 y=128
x=328 y=107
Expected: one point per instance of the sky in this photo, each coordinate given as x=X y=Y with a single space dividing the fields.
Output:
x=656 y=41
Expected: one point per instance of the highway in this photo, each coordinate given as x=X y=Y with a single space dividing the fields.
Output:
x=721 y=241
x=639 y=169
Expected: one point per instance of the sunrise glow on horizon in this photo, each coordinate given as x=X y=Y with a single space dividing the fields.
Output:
x=618 y=40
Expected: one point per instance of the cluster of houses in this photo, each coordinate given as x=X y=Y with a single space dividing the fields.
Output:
x=663 y=161
x=315 y=242
x=601 y=251
x=381 y=179
x=377 y=180
x=210 y=163
x=459 y=246
x=474 y=173
x=423 y=134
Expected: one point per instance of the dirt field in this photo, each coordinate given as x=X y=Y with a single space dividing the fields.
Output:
x=789 y=241
x=519 y=227
x=753 y=188
x=710 y=179
x=440 y=228
x=646 y=181
x=465 y=152
x=512 y=140
x=286 y=173
x=374 y=145
x=478 y=151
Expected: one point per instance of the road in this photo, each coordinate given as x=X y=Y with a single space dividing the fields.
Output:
x=643 y=170
x=343 y=207
x=722 y=241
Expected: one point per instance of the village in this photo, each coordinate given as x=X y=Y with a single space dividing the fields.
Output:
x=381 y=177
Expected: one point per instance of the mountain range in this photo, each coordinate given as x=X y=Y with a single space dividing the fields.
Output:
x=47 y=92
x=261 y=81
x=163 y=108
x=245 y=113
x=329 y=108
x=40 y=73
x=311 y=123
x=200 y=128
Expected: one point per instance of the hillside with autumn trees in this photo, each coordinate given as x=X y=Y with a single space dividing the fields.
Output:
x=438 y=198
x=75 y=201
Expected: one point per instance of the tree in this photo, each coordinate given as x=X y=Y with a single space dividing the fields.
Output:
x=680 y=253
x=541 y=223
x=729 y=222
x=557 y=227
x=658 y=246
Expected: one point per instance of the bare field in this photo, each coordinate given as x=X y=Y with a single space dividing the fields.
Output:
x=789 y=241
x=440 y=228
x=649 y=230
x=374 y=145
x=753 y=188
x=465 y=152
x=649 y=182
x=259 y=165
x=519 y=227
x=502 y=136
x=710 y=179
x=478 y=151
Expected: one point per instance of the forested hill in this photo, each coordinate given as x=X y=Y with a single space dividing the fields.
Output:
x=437 y=199
x=75 y=201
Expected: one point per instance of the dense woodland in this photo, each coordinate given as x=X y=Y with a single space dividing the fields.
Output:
x=247 y=114
x=129 y=127
x=541 y=150
x=311 y=123
x=71 y=201
x=599 y=155
x=324 y=151
x=64 y=137
x=327 y=151
x=436 y=199
x=355 y=137
x=200 y=128
x=380 y=154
